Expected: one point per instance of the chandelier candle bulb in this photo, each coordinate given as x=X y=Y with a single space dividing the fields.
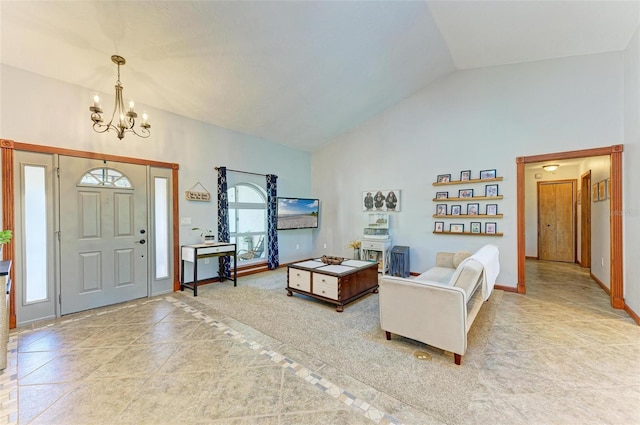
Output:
x=96 y=101
x=131 y=106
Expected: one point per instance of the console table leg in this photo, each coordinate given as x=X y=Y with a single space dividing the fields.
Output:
x=289 y=293
x=340 y=308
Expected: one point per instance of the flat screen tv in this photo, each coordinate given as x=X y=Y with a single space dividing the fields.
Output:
x=298 y=213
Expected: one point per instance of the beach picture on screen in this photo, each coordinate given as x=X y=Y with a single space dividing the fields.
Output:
x=298 y=213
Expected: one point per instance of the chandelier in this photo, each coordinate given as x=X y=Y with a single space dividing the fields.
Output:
x=125 y=120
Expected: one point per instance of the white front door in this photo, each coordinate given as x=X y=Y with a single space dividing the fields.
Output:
x=103 y=233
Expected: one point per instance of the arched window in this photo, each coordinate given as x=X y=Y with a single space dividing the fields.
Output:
x=106 y=177
x=248 y=221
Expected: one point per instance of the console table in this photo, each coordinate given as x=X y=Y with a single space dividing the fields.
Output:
x=336 y=284
x=192 y=253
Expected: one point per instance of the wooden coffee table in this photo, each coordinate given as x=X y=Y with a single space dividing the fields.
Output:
x=336 y=284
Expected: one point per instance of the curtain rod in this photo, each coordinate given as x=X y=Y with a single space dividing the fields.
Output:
x=244 y=172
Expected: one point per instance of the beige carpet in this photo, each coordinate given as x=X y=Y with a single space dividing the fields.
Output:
x=353 y=343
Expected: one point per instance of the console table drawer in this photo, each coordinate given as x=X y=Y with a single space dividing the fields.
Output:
x=372 y=245
x=300 y=279
x=325 y=286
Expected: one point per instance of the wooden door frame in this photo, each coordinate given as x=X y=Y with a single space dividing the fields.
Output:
x=615 y=154
x=7 y=148
x=574 y=218
x=585 y=211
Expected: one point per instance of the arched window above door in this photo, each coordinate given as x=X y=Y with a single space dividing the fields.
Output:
x=105 y=177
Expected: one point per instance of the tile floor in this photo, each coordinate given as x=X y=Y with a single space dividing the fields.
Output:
x=560 y=354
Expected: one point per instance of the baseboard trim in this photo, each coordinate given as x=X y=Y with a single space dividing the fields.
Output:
x=632 y=314
x=599 y=282
x=506 y=288
x=529 y=257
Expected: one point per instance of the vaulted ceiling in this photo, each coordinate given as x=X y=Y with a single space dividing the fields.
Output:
x=298 y=73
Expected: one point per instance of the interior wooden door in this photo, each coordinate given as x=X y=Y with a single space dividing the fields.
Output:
x=556 y=220
x=585 y=220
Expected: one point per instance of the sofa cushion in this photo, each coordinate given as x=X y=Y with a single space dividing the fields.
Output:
x=459 y=256
x=437 y=274
x=467 y=277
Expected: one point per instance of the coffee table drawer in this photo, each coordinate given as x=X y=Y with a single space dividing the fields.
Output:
x=300 y=279
x=325 y=286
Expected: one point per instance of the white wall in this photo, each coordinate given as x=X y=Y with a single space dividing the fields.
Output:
x=474 y=119
x=43 y=111
x=631 y=170
x=600 y=221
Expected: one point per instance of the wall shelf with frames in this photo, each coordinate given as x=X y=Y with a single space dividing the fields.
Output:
x=458 y=182
x=467 y=233
x=481 y=216
x=491 y=188
x=472 y=198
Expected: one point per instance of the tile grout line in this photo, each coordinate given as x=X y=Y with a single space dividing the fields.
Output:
x=362 y=407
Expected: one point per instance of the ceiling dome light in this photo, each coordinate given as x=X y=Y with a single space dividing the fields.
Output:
x=550 y=167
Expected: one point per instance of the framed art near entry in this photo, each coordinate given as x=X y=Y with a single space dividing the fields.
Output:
x=602 y=190
x=594 y=192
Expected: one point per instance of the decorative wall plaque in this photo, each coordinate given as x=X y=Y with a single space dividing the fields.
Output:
x=195 y=195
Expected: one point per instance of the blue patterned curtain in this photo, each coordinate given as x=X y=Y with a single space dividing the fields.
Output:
x=223 y=217
x=273 y=260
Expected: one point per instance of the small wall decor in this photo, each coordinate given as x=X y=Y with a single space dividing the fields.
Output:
x=439 y=227
x=473 y=209
x=465 y=175
x=487 y=174
x=602 y=190
x=594 y=192
x=381 y=200
x=491 y=190
x=442 y=195
x=475 y=227
x=456 y=209
x=193 y=195
x=490 y=228
x=441 y=209
x=444 y=178
x=492 y=209
x=456 y=228
x=465 y=193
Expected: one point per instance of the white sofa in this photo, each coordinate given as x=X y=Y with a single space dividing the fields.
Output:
x=439 y=306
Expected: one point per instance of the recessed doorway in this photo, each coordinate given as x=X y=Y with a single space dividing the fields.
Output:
x=614 y=206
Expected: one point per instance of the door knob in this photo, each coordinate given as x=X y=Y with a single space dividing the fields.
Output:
x=141 y=242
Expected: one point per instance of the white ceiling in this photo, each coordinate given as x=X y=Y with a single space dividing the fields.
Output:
x=298 y=73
